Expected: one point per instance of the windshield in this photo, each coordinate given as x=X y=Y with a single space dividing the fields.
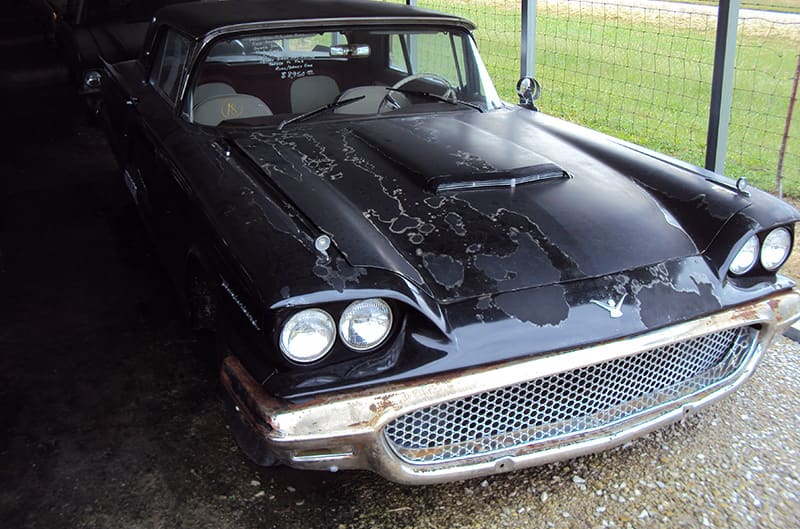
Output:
x=253 y=78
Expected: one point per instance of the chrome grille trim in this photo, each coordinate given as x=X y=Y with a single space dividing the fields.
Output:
x=556 y=406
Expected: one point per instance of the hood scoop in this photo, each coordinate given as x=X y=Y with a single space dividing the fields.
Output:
x=448 y=155
x=512 y=178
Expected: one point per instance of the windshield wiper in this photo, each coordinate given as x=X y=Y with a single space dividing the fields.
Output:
x=452 y=101
x=320 y=110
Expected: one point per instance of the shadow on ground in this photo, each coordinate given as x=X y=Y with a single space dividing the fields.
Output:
x=110 y=408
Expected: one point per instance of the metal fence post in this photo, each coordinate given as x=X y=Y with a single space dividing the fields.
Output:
x=527 y=63
x=719 y=115
x=789 y=112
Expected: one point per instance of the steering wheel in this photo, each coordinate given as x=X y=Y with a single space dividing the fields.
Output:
x=389 y=101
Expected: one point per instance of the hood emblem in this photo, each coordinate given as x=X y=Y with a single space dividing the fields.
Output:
x=614 y=309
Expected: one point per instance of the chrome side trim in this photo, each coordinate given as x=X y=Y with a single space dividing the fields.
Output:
x=130 y=184
x=241 y=305
x=357 y=419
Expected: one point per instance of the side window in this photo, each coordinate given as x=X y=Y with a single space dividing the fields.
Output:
x=397 y=60
x=432 y=52
x=436 y=53
x=168 y=64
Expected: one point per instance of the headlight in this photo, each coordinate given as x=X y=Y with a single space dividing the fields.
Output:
x=365 y=324
x=308 y=335
x=746 y=258
x=775 y=249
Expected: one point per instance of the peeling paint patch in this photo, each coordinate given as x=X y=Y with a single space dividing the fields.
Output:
x=427 y=228
x=545 y=306
x=434 y=202
x=527 y=255
x=660 y=303
x=456 y=223
x=445 y=270
x=472 y=161
x=404 y=223
x=415 y=238
x=339 y=273
x=474 y=247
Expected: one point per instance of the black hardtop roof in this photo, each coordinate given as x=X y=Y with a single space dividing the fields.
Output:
x=199 y=18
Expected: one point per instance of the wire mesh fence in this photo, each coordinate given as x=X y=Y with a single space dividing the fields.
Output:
x=766 y=64
x=641 y=70
x=635 y=71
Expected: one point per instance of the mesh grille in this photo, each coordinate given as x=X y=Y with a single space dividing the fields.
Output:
x=568 y=403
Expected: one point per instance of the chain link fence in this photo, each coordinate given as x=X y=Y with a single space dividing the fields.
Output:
x=641 y=70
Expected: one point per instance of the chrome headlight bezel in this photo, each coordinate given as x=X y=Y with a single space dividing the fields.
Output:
x=770 y=263
x=383 y=317
x=325 y=324
x=742 y=263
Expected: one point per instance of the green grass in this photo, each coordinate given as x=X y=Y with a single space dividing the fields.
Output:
x=649 y=82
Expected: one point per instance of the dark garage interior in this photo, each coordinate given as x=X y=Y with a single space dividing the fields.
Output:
x=111 y=409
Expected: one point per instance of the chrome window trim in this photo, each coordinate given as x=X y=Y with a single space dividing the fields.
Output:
x=161 y=33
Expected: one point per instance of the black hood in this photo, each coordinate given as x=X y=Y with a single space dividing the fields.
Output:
x=466 y=204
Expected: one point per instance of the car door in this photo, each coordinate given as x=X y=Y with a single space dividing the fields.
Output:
x=156 y=134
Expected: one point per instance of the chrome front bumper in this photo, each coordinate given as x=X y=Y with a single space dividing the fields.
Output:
x=345 y=430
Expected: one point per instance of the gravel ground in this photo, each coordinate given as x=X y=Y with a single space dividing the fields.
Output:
x=733 y=465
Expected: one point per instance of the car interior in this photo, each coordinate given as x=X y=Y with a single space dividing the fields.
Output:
x=251 y=77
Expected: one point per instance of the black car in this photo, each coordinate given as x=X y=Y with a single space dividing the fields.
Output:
x=408 y=275
x=89 y=32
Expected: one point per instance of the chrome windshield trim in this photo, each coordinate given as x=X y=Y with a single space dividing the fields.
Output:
x=303 y=24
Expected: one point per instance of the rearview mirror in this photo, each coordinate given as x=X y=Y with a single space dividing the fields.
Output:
x=528 y=90
x=350 y=50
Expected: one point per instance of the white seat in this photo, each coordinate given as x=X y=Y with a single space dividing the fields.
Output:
x=313 y=91
x=217 y=109
x=203 y=92
x=373 y=96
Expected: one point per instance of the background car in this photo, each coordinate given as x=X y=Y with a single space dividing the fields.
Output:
x=408 y=275
x=88 y=30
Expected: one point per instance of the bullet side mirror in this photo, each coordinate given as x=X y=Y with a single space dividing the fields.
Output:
x=528 y=90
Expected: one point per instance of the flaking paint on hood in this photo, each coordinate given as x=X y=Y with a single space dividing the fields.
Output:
x=620 y=209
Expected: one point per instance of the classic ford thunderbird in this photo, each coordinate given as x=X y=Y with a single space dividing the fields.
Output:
x=405 y=273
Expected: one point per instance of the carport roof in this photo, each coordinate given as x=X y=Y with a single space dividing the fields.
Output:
x=200 y=18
